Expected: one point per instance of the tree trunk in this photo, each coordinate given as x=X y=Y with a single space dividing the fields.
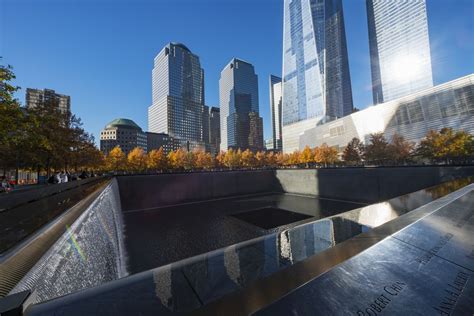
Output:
x=17 y=167
x=38 y=169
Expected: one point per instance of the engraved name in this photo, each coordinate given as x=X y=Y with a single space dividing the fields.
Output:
x=426 y=257
x=383 y=300
x=452 y=293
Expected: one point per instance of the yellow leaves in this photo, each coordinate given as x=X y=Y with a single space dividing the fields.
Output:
x=115 y=160
x=177 y=159
x=447 y=144
x=157 y=160
x=137 y=160
x=247 y=159
x=204 y=160
x=232 y=158
x=306 y=156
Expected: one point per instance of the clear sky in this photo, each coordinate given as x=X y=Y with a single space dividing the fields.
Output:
x=100 y=52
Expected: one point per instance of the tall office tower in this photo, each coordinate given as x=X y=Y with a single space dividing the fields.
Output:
x=214 y=129
x=316 y=78
x=178 y=96
x=399 y=45
x=241 y=125
x=275 y=110
x=47 y=97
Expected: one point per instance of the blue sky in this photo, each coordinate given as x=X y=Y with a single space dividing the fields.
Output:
x=100 y=52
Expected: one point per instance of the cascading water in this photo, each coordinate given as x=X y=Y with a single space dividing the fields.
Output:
x=89 y=253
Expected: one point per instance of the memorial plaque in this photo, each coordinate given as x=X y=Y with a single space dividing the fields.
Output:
x=386 y=279
x=447 y=233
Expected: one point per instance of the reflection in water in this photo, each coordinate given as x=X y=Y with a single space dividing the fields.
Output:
x=223 y=272
x=162 y=280
x=448 y=187
x=210 y=276
x=231 y=263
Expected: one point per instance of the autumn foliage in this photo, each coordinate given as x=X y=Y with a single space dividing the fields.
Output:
x=445 y=145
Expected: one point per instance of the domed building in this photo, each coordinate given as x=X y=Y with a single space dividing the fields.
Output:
x=124 y=133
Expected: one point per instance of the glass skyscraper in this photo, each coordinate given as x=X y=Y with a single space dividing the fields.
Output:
x=316 y=78
x=399 y=48
x=241 y=125
x=178 y=96
x=275 y=110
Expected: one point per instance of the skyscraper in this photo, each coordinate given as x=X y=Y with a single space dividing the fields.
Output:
x=399 y=48
x=275 y=110
x=214 y=129
x=178 y=96
x=316 y=78
x=241 y=125
x=47 y=97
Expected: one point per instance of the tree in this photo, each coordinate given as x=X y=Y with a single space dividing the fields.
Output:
x=204 y=160
x=329 y=155
x=177 y=159
x=400 y=150
x=233 y=158
x=306 y=156
x=293 y=158
x=282 y=159
x=116 y=160
x=260 y=159
x=325 y=155
x=377 y=151
x=220 y=159
x=137 y=160
x=15 y=139
x=271 y=159
x=353 y=152
x=446 y=145
x=247 y=159
x=157 y=160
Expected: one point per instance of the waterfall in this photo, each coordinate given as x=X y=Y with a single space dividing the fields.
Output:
x=89 y=253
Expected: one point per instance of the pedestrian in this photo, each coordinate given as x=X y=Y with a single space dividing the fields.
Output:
x=63 y=177
x=6 y=185
x=57 y=177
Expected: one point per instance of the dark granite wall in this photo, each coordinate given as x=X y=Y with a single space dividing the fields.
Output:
x=366 y=184
x=353 y=184
x=149 y=191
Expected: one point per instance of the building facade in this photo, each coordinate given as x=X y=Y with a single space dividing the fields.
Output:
x=156 y=141
x=241 y=125
x=316 y=78
x=399 y=45
x=275 y=111
x=47 y=97
x=214 y=129
x=178 y=96
x=124 y=133
x=447 y=105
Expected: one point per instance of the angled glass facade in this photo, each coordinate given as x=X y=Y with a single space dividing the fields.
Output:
x=178 y=95
x=275 y=110
x=241 y=125
x=316 y=78
x=450 y=104
x=399 y=48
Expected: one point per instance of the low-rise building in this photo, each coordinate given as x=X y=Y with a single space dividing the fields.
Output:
x=124 y=133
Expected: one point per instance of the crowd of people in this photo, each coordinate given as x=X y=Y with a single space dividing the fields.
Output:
x=65 y=176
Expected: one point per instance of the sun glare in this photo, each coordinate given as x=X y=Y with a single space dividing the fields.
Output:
x=406 y=68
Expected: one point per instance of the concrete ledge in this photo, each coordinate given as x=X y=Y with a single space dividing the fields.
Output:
x=14 y=199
